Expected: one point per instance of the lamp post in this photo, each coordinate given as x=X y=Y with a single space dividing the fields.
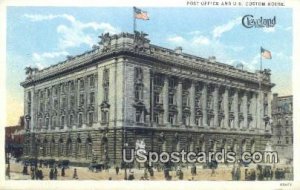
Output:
x=125 y=164
x=27 y=118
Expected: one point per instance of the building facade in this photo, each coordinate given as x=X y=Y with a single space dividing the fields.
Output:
x=92 y=106
x=282 y=117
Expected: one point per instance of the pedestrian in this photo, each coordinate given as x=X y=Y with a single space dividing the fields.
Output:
x=117 y=170
x=55 y=173
x=63 y=171
x=180 y=175
x=51 y=174
x=75 y=176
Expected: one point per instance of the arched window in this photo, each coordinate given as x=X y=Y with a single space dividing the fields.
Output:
x=69 y=147
x=61 y=147
x=78 y=147
x=45 y=146
x=52 y=147
x=88 y=148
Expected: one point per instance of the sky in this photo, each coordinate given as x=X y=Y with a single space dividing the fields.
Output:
x=43 y=36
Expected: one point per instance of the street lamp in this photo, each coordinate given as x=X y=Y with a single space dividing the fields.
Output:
x=27 y=118
x=125 y=164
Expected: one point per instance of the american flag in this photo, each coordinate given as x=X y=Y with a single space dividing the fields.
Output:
x=265 y=53
x=139 y=14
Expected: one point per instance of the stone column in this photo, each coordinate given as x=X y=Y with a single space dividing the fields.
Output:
x=269 y=110
x=226 y=108
x=235 y=108
x=216 y=106
x=254 y=110
x=259 y=111
x=245 y=109
x=179 y=102
x=204 y=104
x=192 y=101
x=166 y=99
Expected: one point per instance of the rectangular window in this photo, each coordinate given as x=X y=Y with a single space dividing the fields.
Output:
x=138 y=92
x=171 y=83
x=104 y=116
x=81 y=99
x=138 y=74
x=91 y=118
x=138 y=116
x=105 y=93
x=287 y=140
x=80 y=120
x=92 y=81
x=47 y=123
x=72 y=101
x=62 y=121
x=156 y=118
x=156 y=98
x=92 y=97
x=171 y=119
x=171 y=99
x=71 y=120
x=185 y=100
x=81 y=84
x=106 y=77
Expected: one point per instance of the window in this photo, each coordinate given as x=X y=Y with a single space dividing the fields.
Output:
x=156 y=118
x=198 y=121
x=92 y=81
x=138 y=74
x=91 y=118
x=72 y=86
x=156 y=98
x=29 y=96
x=171 y=119
x=286 y=121
x=172 y=83
x=47 y=123
x=55 y=90
x=171 y=99
x=64 y=102
x=55 y=104
x=72 y=101
x=185 y=100
x=287 y=140
x=138 y=92
x=80 y=119
x=104 y=116
x=138 y=116
x=158 y=80
x=105 y=93
x=106 y=77
x=71 y=120
x=92 y=97
x=81 y=99
x=185 y=119
x=53 y=122
x=48 y=93
x=62 y=121
x=81 y=84
x=198 y=102
x=40 y=123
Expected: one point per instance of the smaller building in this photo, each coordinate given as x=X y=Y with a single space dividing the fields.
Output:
x=282 y=116
x=14 y=139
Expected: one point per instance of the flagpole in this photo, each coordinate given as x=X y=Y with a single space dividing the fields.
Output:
x=134 y=20
x=260 y=59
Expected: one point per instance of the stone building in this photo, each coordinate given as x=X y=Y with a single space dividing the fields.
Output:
x=125 y=90
x=282 y=126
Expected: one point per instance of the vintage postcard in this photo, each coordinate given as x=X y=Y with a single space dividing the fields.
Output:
x=199 y=94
